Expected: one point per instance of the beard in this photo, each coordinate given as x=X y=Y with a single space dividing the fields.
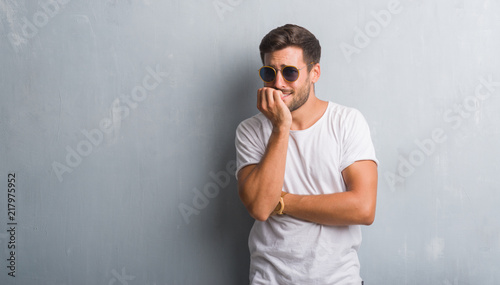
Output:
x=300 y=97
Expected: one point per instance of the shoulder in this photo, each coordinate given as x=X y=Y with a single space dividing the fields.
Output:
x=343 y=114
x=254 y=128
x=254 y=123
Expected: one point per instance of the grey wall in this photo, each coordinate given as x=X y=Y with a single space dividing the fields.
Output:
x=117 y=119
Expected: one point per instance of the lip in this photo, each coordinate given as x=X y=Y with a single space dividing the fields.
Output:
x=285 y=95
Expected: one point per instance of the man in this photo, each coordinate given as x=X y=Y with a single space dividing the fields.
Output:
x=306 y=171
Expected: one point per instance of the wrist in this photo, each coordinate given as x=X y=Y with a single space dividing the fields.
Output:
x=282 y=202
x=280 y=207
x=283 y=130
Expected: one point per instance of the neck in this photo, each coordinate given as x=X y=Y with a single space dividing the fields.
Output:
x=309 y=113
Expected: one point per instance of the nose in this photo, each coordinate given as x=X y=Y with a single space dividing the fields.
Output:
x=279 y=82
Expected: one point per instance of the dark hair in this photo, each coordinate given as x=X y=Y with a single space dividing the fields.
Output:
x=291 y=35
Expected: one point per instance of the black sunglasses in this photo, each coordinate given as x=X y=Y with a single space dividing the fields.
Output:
x=290 y=73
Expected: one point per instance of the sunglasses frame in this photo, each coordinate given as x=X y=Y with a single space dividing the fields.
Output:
x=276 y=72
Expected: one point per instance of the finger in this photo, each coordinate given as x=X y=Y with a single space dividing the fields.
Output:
x=278 y=98
x=270 y=96
x=259 y=98
x=277 y=95
x=263 y=99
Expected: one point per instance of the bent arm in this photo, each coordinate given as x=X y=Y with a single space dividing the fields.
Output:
x=356 y=206
x=259 y=185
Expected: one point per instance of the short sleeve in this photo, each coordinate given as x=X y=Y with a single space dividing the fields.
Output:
x=250 y=147
x=356 y=142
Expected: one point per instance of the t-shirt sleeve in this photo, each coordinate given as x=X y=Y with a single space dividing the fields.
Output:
x=249 y=148
x=357 y=142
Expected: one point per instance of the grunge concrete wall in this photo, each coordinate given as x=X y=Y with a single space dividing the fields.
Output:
x=117 y=123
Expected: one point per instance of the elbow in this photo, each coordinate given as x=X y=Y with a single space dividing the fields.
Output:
x=260 y=217
x=253 y=208
x=258 y=214
x=367 y=216
x=366 y=212
x=368 y=220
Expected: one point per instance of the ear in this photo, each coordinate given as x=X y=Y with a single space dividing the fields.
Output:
x=315 y=72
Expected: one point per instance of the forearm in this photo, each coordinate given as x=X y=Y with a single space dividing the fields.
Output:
x=260 y=190
x=338 y=209
x=355 y=206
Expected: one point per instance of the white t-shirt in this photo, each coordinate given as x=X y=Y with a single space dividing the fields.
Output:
x=286 y=250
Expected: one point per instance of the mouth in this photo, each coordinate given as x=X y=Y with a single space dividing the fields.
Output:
x=285 y=95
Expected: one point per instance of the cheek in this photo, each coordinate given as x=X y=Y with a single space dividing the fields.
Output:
x=297 y=85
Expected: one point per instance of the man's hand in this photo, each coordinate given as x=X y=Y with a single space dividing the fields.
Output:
x=260 y=184
x=269 y=102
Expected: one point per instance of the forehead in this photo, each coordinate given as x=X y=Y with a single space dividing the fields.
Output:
x=287 y=56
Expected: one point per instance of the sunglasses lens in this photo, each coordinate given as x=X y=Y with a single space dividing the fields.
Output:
x=290 y=73
x=267 y=74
